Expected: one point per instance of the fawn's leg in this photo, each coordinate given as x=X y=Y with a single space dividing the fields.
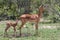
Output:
x=7 y=29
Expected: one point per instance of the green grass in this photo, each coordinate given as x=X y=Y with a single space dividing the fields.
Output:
x=44 y=34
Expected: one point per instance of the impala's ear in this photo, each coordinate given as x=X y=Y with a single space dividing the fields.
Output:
x=41 y=6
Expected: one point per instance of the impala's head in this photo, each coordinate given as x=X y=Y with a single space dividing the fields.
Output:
x=41 y=9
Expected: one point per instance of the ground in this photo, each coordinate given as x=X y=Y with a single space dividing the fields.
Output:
x=50 y=31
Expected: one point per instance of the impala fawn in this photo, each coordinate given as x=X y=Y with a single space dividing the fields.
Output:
x=32 y=18
x=11 y=24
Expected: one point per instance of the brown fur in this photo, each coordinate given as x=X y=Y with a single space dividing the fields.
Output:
x=32 y=18
x=9 y=24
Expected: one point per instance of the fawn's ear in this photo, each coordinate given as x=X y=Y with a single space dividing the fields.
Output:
x=17 y=20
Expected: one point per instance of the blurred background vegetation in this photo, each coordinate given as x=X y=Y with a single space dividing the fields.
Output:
x=11 y=9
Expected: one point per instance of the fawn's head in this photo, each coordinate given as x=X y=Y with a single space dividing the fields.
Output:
x=17 y=20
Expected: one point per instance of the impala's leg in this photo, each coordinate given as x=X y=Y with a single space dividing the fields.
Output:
x=36 y=28
x=22 y=26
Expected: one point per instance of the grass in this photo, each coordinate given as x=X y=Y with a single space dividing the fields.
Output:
x=44 y=34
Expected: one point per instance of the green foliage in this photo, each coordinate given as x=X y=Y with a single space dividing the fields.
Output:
x=18 y=7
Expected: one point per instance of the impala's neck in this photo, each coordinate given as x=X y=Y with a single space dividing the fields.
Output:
x=39 y=14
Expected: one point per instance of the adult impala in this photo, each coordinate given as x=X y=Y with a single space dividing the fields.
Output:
x=32 y=18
